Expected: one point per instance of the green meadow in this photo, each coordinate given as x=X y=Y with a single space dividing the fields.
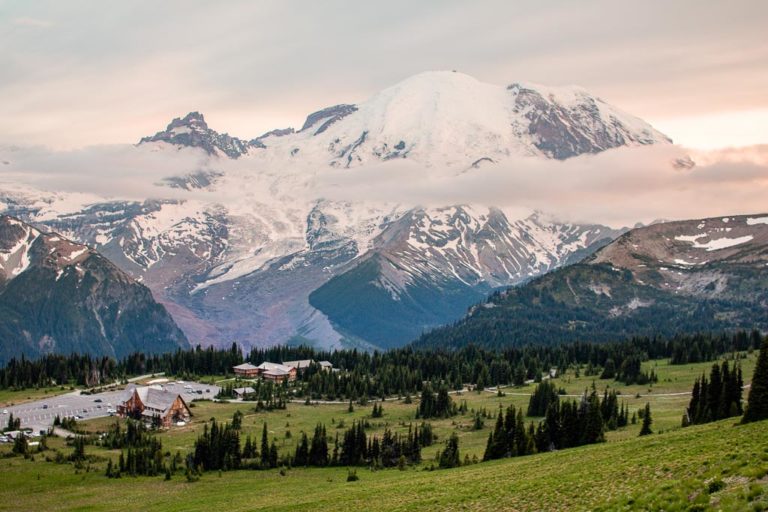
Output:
x=715 y=466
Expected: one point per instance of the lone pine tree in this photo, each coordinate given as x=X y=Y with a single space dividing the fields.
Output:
x=646 y=428
x=757 y=401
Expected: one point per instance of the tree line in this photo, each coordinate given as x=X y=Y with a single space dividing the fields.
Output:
x=393 y=373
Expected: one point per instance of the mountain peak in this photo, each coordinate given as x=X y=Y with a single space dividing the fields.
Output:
x=191 y=119
x=193 y=131
x=449 y=118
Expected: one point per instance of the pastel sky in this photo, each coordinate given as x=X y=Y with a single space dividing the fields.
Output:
x=78 y=73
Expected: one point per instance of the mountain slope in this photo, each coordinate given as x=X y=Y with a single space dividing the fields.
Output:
x=427 y=268
x=245 y=246
x=694 y=275
x=59 y=296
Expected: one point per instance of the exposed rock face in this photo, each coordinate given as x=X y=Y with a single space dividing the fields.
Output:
x=563 y=128
x=59 y=296
x=259 y=141
x=193 y=131
x=326 y=117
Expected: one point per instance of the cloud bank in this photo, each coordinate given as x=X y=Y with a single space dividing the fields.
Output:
x=617 y=187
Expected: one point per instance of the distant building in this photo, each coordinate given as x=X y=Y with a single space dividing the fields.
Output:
x=326 y=365
x=246 y=370
x=150 y=402
x=302 y=364
x=278 y=375
x=277 y=372
x=242 y=392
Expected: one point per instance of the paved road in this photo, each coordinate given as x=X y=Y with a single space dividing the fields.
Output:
x=39 y=415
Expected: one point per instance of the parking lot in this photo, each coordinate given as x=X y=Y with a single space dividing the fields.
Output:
x=39 y=415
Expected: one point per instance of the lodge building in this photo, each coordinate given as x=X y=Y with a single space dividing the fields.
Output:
x=149 y=402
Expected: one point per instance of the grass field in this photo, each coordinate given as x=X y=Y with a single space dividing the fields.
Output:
x=626 y=472
x=11 y=397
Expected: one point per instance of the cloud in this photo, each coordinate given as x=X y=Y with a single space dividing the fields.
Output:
x=120 y=171
x=617 y=187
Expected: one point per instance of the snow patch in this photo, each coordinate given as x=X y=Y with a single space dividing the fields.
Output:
x=715 y=244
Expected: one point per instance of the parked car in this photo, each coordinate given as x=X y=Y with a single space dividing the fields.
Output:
x=98 y=400
x=45 y=406
x=5 y=411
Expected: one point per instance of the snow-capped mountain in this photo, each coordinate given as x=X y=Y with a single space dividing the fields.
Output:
x=60 y=296
x=254 y=254
x=451 y=119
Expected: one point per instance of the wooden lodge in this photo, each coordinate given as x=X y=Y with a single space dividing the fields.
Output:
x=149 y=403
x=246 y=371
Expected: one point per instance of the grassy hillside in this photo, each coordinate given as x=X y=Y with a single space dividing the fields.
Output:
x=668 y=471
x=627 y=470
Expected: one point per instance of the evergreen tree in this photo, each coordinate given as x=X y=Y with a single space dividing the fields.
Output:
x=593 y=421
x=301 y=458
x=646 y=428
x=609 y=371
x=544 y=394
x=318 y=452
x=757 y=400
x=264 y=447
x=449 y=456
